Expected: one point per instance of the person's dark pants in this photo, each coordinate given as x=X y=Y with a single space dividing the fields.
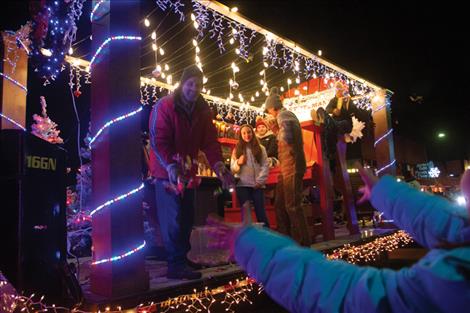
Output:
x=176 y=217
x=288 y=205
x=257 y=197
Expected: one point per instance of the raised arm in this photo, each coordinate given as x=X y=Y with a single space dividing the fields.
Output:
x=303 y=280
x=429 y=219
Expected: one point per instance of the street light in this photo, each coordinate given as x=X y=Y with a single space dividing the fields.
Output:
x=441 y=135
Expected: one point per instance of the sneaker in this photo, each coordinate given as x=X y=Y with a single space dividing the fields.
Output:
x=183 y=273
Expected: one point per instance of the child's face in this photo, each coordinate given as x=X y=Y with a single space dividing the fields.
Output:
x=261 y=129
x=247 y=134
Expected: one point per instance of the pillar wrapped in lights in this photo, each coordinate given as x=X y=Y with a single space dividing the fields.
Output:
x=118 y=262
x=383 y=133
x=13 y=78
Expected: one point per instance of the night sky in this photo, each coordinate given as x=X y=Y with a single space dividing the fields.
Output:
x=414 y=48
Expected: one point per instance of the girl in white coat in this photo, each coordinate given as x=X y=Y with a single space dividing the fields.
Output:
x=250 y=164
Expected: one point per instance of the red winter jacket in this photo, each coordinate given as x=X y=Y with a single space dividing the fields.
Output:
x=173 y=131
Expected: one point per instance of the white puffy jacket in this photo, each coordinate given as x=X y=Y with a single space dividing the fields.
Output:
x=252 y=172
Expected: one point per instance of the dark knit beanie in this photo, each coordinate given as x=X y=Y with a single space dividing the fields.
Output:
x=191 y=71
x=273 y=101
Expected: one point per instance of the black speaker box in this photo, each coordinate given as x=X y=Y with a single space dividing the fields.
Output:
x=33 y=233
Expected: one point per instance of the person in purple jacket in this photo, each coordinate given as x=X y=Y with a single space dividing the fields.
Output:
x=180 y=126
x=303 y=280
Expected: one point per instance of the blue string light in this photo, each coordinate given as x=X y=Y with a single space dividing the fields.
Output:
x=95 y=8
x=48 y=51
x=133 y=191
x=379 y=108
x=120 y=256
x=385 y=167
x=106 y=204
x=22 y=87
x=13 y=121
x=111 y=122
x=14 y=81
x=107 y=41
x=383 y=137
x=119 y=198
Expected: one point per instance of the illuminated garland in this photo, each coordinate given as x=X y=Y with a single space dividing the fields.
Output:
x=111 y=122
x=379 y=108
x=95 y=8
x=14 y=81
x=106 y=204
x=202 y=301
x=385 y=167
x=13 y=121
x=54 y=30
x=119 y=198
x=120 y=256
x=107 y=41
x=385 y=105
x=11 y=44
x=275 y=53
x=239 y=115
x=107 y=124
x=383 y=137
x=370 y=251
x=176 y=5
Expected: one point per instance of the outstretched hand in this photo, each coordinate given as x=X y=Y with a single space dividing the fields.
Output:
x=369 y=180
x=225 y=176
x=223 y=235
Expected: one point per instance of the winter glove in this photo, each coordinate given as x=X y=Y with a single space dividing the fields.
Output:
x=225 y=176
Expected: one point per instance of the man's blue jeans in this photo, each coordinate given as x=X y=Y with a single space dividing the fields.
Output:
x=257 y=196
x=176 y=217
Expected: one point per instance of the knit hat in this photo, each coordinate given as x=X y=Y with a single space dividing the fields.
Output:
x=191 y=71
x=260 y=122
x=274 y=100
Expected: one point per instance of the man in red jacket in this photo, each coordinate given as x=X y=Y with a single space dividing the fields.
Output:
x=180 y=126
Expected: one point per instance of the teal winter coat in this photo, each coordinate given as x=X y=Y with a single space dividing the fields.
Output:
x=303 y=280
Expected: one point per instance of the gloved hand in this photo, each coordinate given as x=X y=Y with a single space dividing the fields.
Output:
x=224 y=235
x=173 y=173
x=225 y=176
